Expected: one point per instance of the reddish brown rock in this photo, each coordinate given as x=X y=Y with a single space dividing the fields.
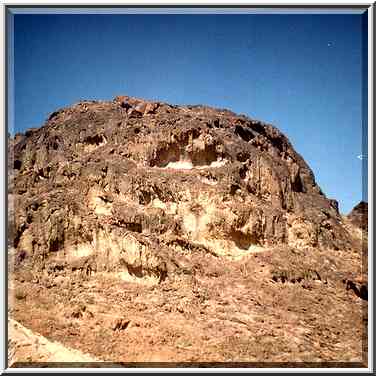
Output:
x=359 y=215
x=205 y=226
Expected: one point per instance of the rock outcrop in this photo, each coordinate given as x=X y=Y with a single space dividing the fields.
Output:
x=145 y=232
x=117 y=183
x=359 y=215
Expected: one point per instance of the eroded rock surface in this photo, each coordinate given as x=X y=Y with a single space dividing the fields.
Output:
x=148 y=193
x=359 y=215
x=98 y=181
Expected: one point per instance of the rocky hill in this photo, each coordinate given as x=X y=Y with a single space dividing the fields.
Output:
x=359 y=215
x=189 y=232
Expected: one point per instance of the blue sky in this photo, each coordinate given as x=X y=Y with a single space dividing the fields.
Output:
x=302 y=73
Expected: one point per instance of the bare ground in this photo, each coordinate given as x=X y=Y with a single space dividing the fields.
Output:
x=265 y=309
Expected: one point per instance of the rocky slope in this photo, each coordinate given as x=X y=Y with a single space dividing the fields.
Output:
x=359 y=216
x=27 y=347
x=164 y=202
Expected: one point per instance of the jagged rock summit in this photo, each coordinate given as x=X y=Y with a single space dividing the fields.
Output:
x=145 y=232
x=98 y=170
x=128 y=181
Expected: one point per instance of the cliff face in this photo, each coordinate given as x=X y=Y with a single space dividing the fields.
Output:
x=101 y=172
x=151 y=193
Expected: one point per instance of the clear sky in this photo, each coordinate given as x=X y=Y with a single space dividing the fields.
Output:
x=301 y=73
